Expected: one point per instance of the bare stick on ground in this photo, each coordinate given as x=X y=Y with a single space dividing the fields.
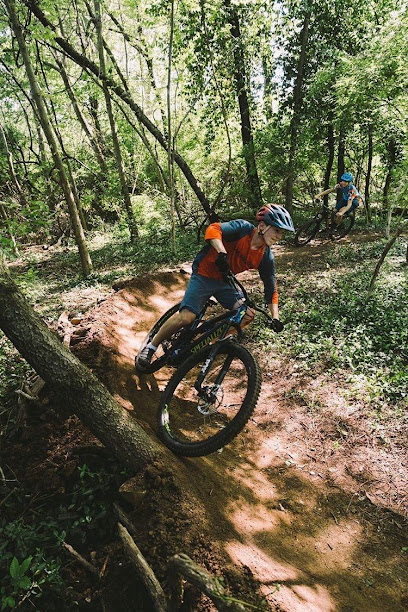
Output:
x=88 y=566
x=144 y=570
x=204 y=581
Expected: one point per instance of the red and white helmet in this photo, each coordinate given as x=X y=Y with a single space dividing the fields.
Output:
x=278 y=216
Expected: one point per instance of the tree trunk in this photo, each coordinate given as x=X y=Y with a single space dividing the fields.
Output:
x=297 y=105
x=13 y=174
x=90 y=66
x=170 y=158
x=52 y=141
x=6 y=221
x=255 y=195
x=368 y=175
x=268 y=88
x=116 y=146
x=340 y=161
x=143 y=49
x=330 y=158
x=71 y=380
x=81 y=118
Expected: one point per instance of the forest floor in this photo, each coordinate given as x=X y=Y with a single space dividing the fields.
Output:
x=306 y=510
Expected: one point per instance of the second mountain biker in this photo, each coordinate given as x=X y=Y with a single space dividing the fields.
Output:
x=233 y=246
x=350 y=199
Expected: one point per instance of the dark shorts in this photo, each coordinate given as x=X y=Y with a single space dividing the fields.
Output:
x=201 y=288
x=342 y=203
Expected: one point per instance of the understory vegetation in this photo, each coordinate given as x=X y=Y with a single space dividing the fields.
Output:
x=332 y=326
x=125 y=128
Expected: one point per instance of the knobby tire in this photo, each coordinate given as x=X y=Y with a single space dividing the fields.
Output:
x=183 y=428
x=343 y=227
x=307 y=232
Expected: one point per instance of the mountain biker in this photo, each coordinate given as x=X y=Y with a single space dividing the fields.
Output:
x=232 y=247
x=351 y=198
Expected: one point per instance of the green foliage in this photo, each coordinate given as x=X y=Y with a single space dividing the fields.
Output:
x=12 y=368
x=89 y=514
x=332 y=326
x=30 y=547
x=30 y=577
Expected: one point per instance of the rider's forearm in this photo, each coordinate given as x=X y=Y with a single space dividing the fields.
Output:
x=218 y=245
x=330 y=190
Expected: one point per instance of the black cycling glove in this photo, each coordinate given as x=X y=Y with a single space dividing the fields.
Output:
x=222 y=264
x=276 y=325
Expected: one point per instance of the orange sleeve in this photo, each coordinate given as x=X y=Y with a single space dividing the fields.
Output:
x=275 y=297
x=213 y=231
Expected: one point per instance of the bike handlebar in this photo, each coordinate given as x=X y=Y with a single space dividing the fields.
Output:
x=272 y=323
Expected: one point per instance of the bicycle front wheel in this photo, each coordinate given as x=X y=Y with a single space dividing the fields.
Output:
x=307 y=232
x=343 y=228
x=194 y=424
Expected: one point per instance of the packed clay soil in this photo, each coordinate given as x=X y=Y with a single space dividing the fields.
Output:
x=283 y=513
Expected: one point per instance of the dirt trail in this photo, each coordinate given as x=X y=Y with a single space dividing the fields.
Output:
x=319 y=529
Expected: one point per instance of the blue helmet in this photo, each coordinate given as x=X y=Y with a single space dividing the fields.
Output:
x=275 y=215
x=347 y=176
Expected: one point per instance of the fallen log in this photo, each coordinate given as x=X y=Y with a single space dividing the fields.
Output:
x=197 y=576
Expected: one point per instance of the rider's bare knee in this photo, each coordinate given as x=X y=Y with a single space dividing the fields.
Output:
x=186 y=317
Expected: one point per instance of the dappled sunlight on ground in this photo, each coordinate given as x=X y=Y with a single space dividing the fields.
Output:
x=282 y=500
x=264 y=567
x=301 y=598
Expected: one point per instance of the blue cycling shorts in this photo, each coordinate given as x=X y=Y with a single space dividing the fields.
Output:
x=342 y=203
x=201 y=288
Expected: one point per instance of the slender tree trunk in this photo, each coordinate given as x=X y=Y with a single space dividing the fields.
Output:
x=52 y=114
x=90 y=66
x=330 y=158
x=340 y=161
x=75 y=386
x=82 y=119
x=170 y=159
x=143 y=49
x=268 y=86
x=116 y=146
x=297 y=106
x=10 y=164
x=52 y=141
x=368 y=174
x=386 y=205
x=255 y=195
x=6 y=221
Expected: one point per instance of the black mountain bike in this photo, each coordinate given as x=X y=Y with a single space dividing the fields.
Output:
x=216 y=386
x=325 y=222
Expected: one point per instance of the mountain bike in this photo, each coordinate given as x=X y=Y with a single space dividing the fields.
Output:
x=325 y=222
x=215 y=388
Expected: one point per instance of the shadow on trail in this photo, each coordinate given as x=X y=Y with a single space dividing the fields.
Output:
x=311 y=545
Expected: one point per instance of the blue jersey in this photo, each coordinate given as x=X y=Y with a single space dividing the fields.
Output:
x=349 y=192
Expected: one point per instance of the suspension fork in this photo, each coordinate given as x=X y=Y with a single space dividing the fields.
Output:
x=206 y=367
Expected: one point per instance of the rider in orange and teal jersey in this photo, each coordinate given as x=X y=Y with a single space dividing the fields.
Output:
x=234 y=246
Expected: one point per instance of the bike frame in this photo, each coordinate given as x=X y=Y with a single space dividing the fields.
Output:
x=213 y=330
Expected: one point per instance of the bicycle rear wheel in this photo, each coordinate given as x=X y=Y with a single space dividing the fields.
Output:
x=194 y=426
x=343 y=228
x=159 y=359
x=307 y=232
